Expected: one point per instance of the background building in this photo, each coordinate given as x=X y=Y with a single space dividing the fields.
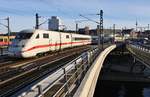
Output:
x=86 y=30
x=55 y=24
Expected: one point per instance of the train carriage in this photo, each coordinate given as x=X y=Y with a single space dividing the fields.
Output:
x=30 y=43
x=5 y=40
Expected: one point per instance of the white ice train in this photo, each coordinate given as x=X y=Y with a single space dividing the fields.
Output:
x=30 y=43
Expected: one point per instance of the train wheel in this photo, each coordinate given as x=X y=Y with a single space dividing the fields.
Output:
x=45 y=54
x=39 y=55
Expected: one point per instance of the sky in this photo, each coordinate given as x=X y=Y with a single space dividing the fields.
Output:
x=123 y=13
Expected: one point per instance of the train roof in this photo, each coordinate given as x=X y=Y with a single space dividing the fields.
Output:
x=11 y=34
x=33 y=30
x=27 y=31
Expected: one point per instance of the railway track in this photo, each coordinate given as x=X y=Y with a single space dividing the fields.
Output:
x=34 y=71
x=9 y=65
x=10 y=70
x=7 y=62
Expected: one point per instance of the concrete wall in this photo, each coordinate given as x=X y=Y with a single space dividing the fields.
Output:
x=88 y=84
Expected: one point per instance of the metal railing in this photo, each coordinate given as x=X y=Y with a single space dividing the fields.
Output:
x=73 y=77
x=65 y=81
x=141 y=47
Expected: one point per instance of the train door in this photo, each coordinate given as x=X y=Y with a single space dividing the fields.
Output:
x=50 y=42
x=60 y=42
x=71 y=39
x=55 y=41
x=46 y=41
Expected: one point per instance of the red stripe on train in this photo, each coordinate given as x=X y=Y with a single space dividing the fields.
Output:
x=4 y=43
x=57 y=44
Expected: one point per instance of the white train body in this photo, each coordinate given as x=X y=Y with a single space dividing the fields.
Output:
x=29 y=43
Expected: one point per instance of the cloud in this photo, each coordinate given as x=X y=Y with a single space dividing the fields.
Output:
x=120 y=12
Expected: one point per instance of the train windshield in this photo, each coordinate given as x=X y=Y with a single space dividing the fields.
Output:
x=23 y=35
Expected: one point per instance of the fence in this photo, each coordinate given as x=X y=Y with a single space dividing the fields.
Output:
x=64 y=81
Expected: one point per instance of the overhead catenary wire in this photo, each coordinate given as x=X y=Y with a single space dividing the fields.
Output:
x=89 y=19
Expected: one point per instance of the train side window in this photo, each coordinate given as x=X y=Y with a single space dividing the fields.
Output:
x=5 y=40
x=67 y=36
x=45 y=35
x=37 y=37
x=1 y=40
x=77 y=38
x=10 y=39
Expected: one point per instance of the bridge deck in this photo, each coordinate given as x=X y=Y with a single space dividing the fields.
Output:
x=87 y=87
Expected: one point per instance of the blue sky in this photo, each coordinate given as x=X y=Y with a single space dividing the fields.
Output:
x=120 y=12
